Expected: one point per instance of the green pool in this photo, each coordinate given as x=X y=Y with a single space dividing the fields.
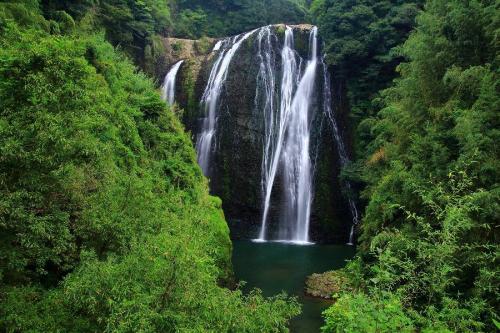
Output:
x=274 y=267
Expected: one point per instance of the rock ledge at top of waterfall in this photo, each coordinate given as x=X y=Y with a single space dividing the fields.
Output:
x=177 y=49
x=302 y=26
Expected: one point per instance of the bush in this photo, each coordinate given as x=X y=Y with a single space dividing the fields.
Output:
x=353 y=313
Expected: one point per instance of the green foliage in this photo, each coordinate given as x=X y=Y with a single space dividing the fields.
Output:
x=363 y=31
x=105 y=219
x=430 y=230
x=197 y=18
x=135 y=25
x=361 y=43
x=431 y=258
x=426 y=265
x=24 y=13
x=130 y=24
x=354 y=313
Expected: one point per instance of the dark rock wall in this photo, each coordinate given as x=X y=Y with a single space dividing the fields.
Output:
x=236 y=168
x=330 y=216
x=237 y=161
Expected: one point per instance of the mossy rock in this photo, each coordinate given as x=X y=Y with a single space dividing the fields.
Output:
x=280 y=31
x=327 y=285
x=203 y=45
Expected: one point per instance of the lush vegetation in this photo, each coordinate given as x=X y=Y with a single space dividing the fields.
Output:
x=361 y=43
x=428 y=254
x=106 y=224
x=137 y=25
x=196 y=18
x=131 y=25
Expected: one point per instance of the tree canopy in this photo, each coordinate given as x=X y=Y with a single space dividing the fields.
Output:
x=429 y=241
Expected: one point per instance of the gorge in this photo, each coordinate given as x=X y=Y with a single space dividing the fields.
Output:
x=265 y=129
x=266 y=133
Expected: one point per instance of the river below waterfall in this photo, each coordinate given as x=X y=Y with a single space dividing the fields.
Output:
x=275 y=267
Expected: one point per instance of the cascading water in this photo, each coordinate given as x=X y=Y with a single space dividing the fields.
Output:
x=266 y=103
x=344 y=158
x=296 y=158
x=168 y=86
x=284 y=96
x=287 y=138
x=275 y=124
x=211 y=96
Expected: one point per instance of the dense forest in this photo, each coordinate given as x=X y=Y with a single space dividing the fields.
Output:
x=106 y=221
x=427 y=157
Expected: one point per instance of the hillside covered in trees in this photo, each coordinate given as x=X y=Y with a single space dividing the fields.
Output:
x=106 y=221
x=427 y=159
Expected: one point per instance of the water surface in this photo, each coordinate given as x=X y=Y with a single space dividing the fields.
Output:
x=274 y=267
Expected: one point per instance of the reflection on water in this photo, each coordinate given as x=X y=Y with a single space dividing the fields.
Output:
x=274 y=267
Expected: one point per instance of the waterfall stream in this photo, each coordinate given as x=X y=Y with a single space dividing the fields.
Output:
x=287 y=136
x=275 y=124
x=266 y=82
x=343 y=157
x=211 y=96
x=168 y=86
x=296 y=158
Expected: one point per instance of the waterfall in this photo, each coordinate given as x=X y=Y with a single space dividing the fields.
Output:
x=283 y=98
x=343 y=157
x=217 y=46
x=287 y=139
x=275 y=124
x=296 y=159
x=211 y=96
x=168 y=86
x=266 y=102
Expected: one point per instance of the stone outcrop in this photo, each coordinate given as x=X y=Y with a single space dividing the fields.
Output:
x=326 y=285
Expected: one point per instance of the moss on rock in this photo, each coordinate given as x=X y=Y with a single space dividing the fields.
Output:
x=327 y=285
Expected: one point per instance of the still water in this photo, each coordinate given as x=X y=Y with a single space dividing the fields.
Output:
x=274 y=267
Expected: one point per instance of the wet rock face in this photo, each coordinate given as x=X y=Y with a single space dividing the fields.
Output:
x=236 y=168
x=236 y=172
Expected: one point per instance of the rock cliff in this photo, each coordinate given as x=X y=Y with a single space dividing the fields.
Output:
x=236 y=168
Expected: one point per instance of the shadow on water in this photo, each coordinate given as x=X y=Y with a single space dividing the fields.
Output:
x=274 y=267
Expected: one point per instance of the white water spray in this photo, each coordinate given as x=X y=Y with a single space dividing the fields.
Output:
x=287 y=140
x=168 y=86
x=276 y=125
x=266 y=101
x=296 y=158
